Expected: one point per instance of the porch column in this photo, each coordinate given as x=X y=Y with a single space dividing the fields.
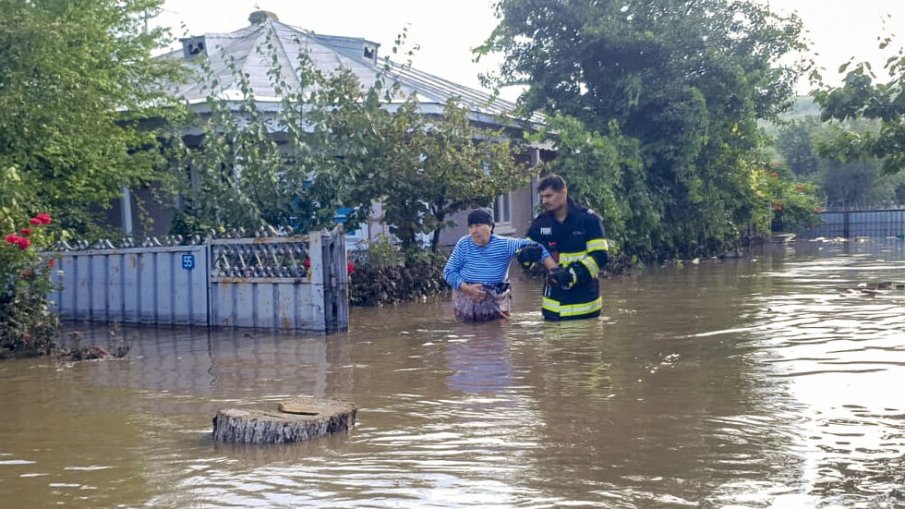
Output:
x=535 y=162
x=126 y=201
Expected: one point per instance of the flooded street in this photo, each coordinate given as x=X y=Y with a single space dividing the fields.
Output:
x=773 y=382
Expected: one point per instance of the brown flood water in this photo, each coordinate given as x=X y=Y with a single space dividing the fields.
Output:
x=736 y=384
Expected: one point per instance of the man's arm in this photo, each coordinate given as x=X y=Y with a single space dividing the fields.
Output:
x=588 y=266
x=597 y=245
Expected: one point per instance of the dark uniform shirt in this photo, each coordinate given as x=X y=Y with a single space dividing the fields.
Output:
x=579 y=239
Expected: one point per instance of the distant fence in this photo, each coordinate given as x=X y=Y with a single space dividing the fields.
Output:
x=875 y=222
x=291 y=283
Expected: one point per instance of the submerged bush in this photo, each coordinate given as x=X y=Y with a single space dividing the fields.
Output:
x=27 y=327
x=385 y=275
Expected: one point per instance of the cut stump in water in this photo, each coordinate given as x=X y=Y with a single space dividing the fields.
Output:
x=293 y=421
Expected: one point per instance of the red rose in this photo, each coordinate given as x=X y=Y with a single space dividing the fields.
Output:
x=12 y=238
x=350 y=267
x=42 y=218
x=307 y=263
x=25 y=231
x=23 y=243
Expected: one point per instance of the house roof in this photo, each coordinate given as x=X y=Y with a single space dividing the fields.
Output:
x=253 y=48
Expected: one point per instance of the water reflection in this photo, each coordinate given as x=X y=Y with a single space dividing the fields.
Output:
x=769 y=381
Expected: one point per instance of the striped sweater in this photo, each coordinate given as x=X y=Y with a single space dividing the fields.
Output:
x=471 y=263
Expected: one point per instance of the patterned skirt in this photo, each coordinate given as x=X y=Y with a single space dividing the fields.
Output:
x=494 y=306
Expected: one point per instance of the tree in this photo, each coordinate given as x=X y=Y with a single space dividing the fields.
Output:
x=80 y=115
x=794 y=144
x=427 y=169
x=807 y=148
x=687 y=80
x=585 y=159
x=863 y=96
x=334 y=144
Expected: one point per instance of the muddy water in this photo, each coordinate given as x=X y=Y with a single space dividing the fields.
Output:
x=772 y=382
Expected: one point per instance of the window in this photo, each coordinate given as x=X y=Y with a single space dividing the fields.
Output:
x=192 y=46
x=502 y=209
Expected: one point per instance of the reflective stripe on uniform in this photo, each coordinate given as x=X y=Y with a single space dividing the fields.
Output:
x=583 y=258
x=565 y=258
x=598 y=245
x=591 y=264
x=572 y=309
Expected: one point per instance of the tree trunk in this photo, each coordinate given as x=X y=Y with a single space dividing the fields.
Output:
x=294 y=421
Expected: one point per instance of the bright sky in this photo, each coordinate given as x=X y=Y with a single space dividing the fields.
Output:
x=447 y=31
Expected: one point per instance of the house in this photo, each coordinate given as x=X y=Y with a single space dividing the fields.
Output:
x=245 y=47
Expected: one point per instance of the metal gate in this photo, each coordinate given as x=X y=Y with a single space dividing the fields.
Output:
x=291 y=283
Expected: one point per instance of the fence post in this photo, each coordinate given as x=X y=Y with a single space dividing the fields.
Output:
x=846 y=218
x=342 y=290
x=336 y=281
x=317 y=277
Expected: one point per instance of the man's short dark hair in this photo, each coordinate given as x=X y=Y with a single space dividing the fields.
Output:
x=552 y=181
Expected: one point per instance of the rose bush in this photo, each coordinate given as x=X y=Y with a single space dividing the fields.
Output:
x=27 y=327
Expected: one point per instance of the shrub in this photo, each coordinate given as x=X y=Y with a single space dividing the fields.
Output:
x=385 y=275
x=27 y=327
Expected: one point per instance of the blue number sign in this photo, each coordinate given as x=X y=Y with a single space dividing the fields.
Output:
x=188 y=261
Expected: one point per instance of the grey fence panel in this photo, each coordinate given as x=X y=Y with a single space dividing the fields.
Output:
x=159 y=285
x=116 y=293
x=263 y=282
x=237 y=282
x=876 y=223
x=131 y=285
x=264 y=303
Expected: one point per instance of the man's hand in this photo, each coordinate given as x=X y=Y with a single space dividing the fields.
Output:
x=560 y=277
x=528 y=255
x=473 y=290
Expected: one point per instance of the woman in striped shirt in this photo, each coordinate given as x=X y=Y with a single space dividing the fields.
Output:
x=478 y=269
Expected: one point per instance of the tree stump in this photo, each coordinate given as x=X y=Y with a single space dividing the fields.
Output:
x=293 y=421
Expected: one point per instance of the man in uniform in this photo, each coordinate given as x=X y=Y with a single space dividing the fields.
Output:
x=574 y=237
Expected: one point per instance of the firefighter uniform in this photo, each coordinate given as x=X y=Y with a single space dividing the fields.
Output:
x=578 y=244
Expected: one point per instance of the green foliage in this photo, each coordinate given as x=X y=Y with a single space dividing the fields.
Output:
x=605 y=172
x=81 y=114
x=677 y=86
x=793 y=205
x=26 y=324
x=382 y=254
x=339 y=145
x=809 y=148
x=794 y=142
x=243 y=175
x=385 y=275
x=864 y=96
x=79 y=107
x=429 y=168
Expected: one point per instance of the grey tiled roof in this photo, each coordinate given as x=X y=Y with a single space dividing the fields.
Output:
x=247 y=47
